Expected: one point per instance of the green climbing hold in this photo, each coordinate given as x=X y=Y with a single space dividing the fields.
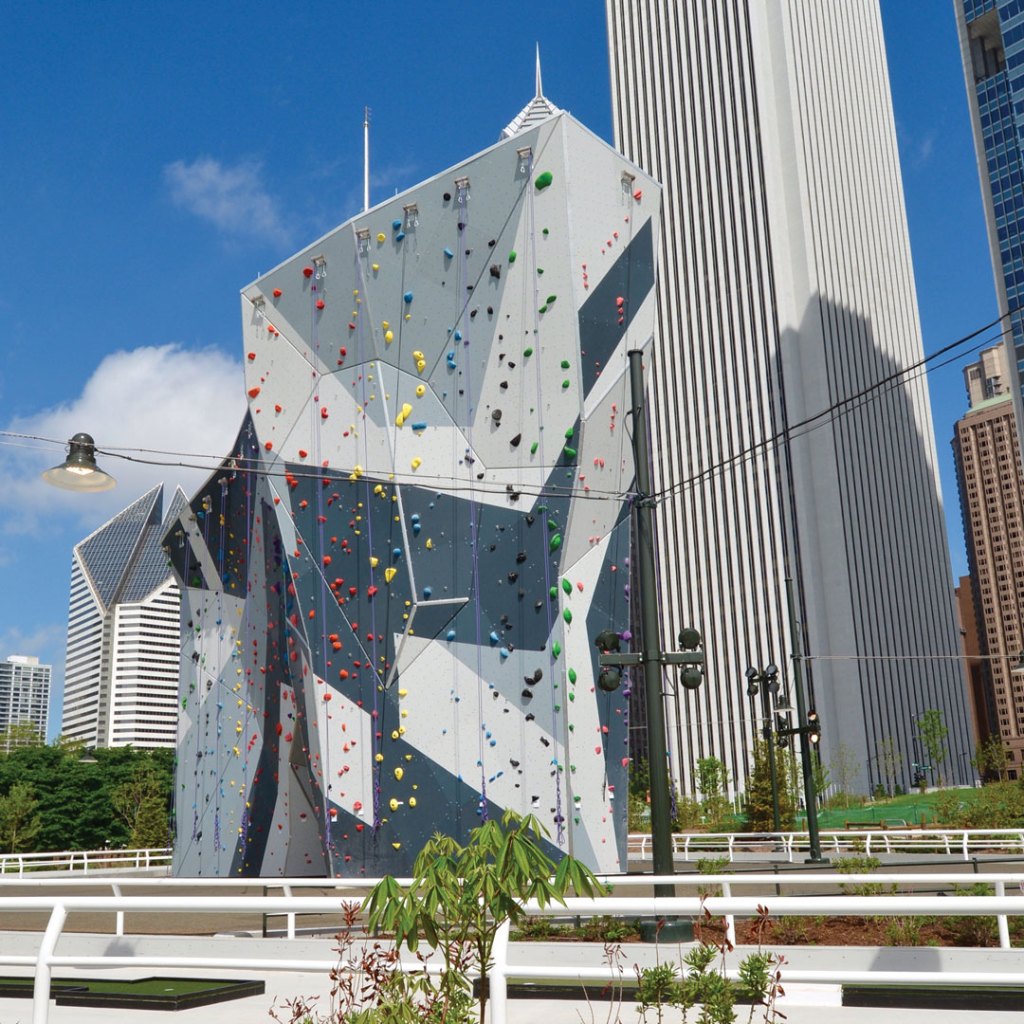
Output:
x=556 y=649
x=543 y=309
x=565 y=384
x=572 y=697
x=570 y=453
x=543 y=179
x=512 y=256
x=555 y=543
x=550 y=299
x=572 y=677
x=544 y=231
x=540 y=270
x=567 y=586
x=558 y=707
x=565 y=364
x=553 y=592
x=533 y=448
x=569 y=433
x=552 y=524
x=527 y=352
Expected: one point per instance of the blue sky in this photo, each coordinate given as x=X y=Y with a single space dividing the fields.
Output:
x=157 y=158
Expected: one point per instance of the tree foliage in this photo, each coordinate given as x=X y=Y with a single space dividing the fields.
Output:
x=75 y=790
x=933 y=732
x=19 y=818
x=760 y=817
x=992 y=759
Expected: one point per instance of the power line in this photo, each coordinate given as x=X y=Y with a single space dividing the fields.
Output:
x=842 y=406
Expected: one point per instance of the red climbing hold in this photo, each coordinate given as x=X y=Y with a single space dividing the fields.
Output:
x=251 y=356
x=323 y=414
x=638 y=195
x=278 y=293
x=253 y=392
x=268 y=445
x=307 y=271
x=320 y=303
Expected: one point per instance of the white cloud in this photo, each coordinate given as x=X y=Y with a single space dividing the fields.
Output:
x=164 y=398
x=231 y=197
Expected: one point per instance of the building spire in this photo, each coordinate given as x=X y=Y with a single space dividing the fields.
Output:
x=538 y=109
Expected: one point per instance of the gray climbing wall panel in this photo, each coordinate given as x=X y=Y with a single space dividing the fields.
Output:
x=392 y=584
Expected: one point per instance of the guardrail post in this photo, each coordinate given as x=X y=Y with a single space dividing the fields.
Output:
x=498 y=994
x=119 y=926
x=730 y=920
x=21 y=866
x=290 y=918
x=965 y=845
x=41 y=988
x=732 y=840
x=1004 y=928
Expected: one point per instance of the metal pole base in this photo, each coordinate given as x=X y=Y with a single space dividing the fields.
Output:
x=672 y=929
x=817 y=860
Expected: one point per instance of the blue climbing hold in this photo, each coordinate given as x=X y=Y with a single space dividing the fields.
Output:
x=494 y=638
x=399 y=236
x=458 y=335
x=427 y=591
x=419 y=426
x=396 y=553
x=504 y=653
x=449 y=254
x=396 y=224
x=408 y=297
x=450 y=635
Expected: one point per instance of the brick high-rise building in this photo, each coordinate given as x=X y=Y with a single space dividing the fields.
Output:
x=992 y=499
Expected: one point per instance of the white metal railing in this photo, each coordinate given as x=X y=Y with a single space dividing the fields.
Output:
x=728 y=905
x=962 y=843
x=84 y=861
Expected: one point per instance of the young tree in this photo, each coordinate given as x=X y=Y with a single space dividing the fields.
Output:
x=843 y=767
x=760 y=812
x=992 y=759
x=19 y=818
x=933 y=732
x=890 y=760
x=712 y=778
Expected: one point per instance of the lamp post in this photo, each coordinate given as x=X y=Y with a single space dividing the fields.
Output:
x=766 y=682
x=809 y=731
x=651 y=656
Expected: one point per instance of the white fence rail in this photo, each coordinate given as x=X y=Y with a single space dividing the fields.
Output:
x=963 y=843
x=1001 y=905
x=83 y=861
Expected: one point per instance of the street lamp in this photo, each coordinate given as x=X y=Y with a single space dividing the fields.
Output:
x=79 y=472
x=766 y=682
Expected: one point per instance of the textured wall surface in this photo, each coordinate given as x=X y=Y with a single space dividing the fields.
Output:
x=392 y=585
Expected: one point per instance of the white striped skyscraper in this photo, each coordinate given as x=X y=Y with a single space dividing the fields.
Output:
x=786 y=290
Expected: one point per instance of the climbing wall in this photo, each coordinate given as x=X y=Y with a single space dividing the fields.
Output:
x=393 y=582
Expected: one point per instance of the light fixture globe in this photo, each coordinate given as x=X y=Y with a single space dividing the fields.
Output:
x=79 y=472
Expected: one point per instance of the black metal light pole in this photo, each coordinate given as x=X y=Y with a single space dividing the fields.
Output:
x=806 y=731
x=651 y=657
x=767 y=683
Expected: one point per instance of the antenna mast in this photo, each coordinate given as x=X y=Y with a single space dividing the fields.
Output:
x=366 y=158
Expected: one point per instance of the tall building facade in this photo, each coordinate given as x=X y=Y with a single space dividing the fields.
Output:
x=992 y=47
x=988 y=463
x=786 y=298
x=123 y=648
x=24 y=697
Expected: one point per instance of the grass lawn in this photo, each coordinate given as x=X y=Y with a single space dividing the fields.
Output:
x=913 y=808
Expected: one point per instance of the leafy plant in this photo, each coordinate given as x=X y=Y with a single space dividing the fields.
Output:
x=933 y=732
x=903 y=931
x=461 y=895
x=973 y=930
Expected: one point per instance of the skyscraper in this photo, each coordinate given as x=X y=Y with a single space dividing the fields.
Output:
x=787 y=443
x=992 y=47
x=123 y=647
x=988 y=463
x=24 y=695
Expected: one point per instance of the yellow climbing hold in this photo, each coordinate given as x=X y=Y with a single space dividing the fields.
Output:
x=381 y=237
x=384 y=325
x=403 y=693
x=403 y=415
x=375 y=267
x=429 y=544
x=379 y=489
x=374 y=561
x=399 y=772
x=389 y=573
x=421 y=390
x=397 y=846
x=378 y=758
x=389 y=336
x=416 y=462
x=412 y=801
